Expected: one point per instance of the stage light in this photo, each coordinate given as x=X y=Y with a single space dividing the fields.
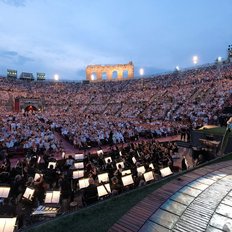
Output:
x=195 y=59
x=141 y=72
x=56 y=77
x=177 y=68
x=93 y=77
x=219 y=59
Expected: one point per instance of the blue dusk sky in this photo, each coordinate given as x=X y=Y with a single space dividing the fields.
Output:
x=64 y=36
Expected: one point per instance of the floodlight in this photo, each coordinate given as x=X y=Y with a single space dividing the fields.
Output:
x=195 y=59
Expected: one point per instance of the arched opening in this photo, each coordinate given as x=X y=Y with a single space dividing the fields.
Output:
x=125 y=74
x=114 y=75
x=93 y=76
x=30 y=108
x=104 y=76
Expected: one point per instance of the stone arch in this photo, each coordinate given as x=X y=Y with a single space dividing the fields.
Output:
x=30 y=108
x=104 y=75
x=114 y=74
x=109 y=69
x=125 y=74
x=93 y=76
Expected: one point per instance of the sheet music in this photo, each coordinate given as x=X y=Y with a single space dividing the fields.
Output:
x=104 y=177
x=4 y=192
x=122 y=164
x=141 y=169
x=48 y=197
x=79 y=165
x=148 y=176
x=78 y=174
x=102 y=191
x=79 y=156
x=83 y=183
x=134 y=160
x=28 y=194
x=37 y=176
x=100 y=152
x=53 y=164
x=56 y=197
x=7 y=224
x=126 y=172
x=127 y=180
x=151 y=166
x=165 y=172
x=106 y=159
x=52 y=197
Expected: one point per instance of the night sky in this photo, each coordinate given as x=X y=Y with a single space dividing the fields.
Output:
x=64 y=36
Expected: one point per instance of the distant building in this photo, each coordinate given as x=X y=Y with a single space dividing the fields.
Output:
x=26 y=76
x=40 y=76
x=11 y=74
x=110 y=72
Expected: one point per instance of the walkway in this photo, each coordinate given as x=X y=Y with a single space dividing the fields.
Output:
x=200 y=200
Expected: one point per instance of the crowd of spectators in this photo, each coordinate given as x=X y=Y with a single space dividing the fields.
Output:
x=118 y=114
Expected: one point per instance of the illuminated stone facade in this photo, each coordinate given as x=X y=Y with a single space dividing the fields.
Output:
x=110 y=72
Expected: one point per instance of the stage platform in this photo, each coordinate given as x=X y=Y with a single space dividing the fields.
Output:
x=200 y=200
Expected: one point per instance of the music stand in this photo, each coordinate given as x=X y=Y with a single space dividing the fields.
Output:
x=165 y=172
x=28 y=194
x=127 y=180
x=101 y=190
x=79 y=165
x=151 y=166
x=106 y=159
x=148 y=176
x=79 y=157
x=7 y=224
x=4 y=191
x=83 y=183
x=141 y=169
x=104 y=177
x=126 y=172
x=121 y=163
x=100 y=152
x=52 y=197
x=78 y=174
x=37 y=176
x=134 y=160
x=52 y=164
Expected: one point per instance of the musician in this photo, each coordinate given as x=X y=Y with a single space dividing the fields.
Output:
x=90 y=194
x=184 y=164
x=66 y=192
x=116 y=187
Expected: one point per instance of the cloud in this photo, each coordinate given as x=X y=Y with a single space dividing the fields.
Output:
x=17 y=3
x=13 y=56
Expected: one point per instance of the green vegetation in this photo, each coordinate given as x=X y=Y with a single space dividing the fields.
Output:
x=102 y=216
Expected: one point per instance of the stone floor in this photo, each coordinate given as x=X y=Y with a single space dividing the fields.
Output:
x=200 y=200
